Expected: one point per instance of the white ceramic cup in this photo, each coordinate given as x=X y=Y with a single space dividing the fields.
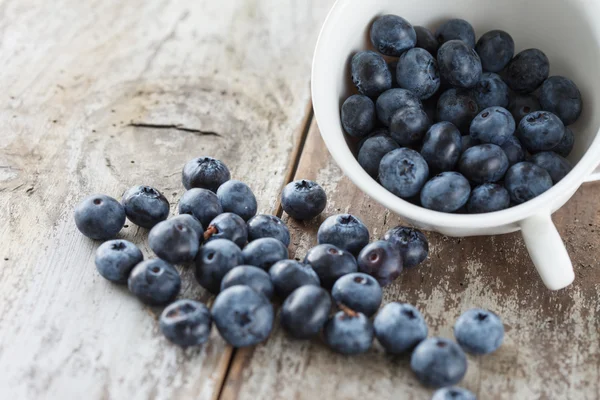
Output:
x=566 y=30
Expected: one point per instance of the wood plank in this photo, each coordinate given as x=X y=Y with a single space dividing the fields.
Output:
x=552 y=341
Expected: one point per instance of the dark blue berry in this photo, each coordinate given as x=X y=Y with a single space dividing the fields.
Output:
x=466 y=142
x=495 y=48
x=382 y=260
x=459 y=64
x=399 y=327
x=344 y=231
x=204 y=172
x=459 y=107
x=202 y=204
x=359 y=292
x=403 y=172
x=330 y=263
x=488 y=197
x=372 y=151
x=446 y=192
x=525 y=180
x=527 y=70
x=438 y=362
x=358 y=115
x=370 y=73
x=303 y=199
x=192 y=222
x=155 y=282
x=227 y=226
x=456 y=29
x=116 y=258
x=99 y=217
x=257 y=278
x=236 y=197
x=491 y=91
x=265 y=252
x=174 y=241
x=557 y=166
x=348 y=332
x=483 y=163
x=186 y=323
x=453 y=393
x=514 y=150
x=426 y=40
x=523 y=104
x=393 y=100
x=266 y=225
x=145 y=206
x=418 y=72
x=566 y=144
x=541 y=131
x=479 y=331
x=289 y=275
x=408 y=125
x=442 y=146
x=493 y=125
x=411 y=243
x=214 y=260
x=392 y=35
x=561 y=96
x=305 y=311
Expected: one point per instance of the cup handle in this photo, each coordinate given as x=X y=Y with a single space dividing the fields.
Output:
x=594 y=176
x=547 y=251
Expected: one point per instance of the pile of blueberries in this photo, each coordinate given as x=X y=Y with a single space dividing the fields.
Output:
x=456 y=125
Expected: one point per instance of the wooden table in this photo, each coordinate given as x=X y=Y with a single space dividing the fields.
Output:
x=101 y=95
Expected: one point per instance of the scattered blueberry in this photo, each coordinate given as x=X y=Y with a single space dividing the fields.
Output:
x=479 y=331
x=174 y=241
x=426 y=40
x=370 y=73
x=382 y=260
x=214 y=260
x=330 y=263
x=453 y=393
x=557 y=166
x=456 y=29
x=116 y=258
x=493 y=125
x=145 y=206
x=523 y=104
x=483 y=163
x=305 y=311
x=303 y=199
x=99 y=217
x=408 y=126
x=393 y=100
x=266 y=225
x=438 y=362
x=459 y=64
x=514 y=150
x=265 y=252
x=257 y=278
x=227 y=226
x=541 y=131
x=186 y=323
x=373 y=150
x=344 y=231
x=403 y=172
x=192 y=222
x=491 y=91
x=488 y=197
x=392 y=35
x=525 y=180
x=418 y=72
x=442 y=146
x=359 y=292
x=236 y=197
x=155 y=282
x=202 y=204
x=411 y=243
x=358 y=115
x=459 y=107
x=561 y=96
x=399 y=327
x=527 y=70
x=466 y=142
x=348 y=332
x=446 y=192
x=204 y=172
x=495 y=48
x=566 y=144
x=289 y=275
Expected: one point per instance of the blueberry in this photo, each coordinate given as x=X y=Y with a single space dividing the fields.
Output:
x=418 y=72
x=446 y=192
x=561 y=96
x=186 y=323
x=459 y=64
x=99 y=217
x=408 y=126
x=525 y=180
x=289 y=275
x=191 y=222
x=491 y=91
x=393 y=100
x=403 y=172
x=466 y=142
x=116 y=258
x=174 y=241
x=495 y=48
x=456 y=29
x=513 y=150
x=265 y=252
x=399 y=327
x=438 y=362
x=411 y=243
x=204 y=172
x=228 y=226
x=483 y=163
x=236 y=197
x=348 y=332
x=566 y=144
x=358 y=115
x=392 y=35
x=527 y=70
x=330 y=263
x=244 y=317
x=249 y=275
x=523 y=104
x=541 y=131
x=373 y=150
x=305 y=311
x=488 y=197
x=479 y=331
x=557 y=166
x=493 y=125
x=202 y=204
x=344 y=231
x=214 y=260
x=426 y=40
x=359 y=292
x=453 y=393
x=370 y=73
x=265 y=225
x=442 y=146
x=145 y=206
x=303 y=199
x=459 y=107
x=382 y=260
x=155 y=282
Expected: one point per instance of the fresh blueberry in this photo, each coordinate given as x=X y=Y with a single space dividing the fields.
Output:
x=202 y=204
x=479 y=331
x=411 y=243
x=204 y=172
x=214 y=260
x=186 y=323
x=392 y=35
x=399 y=327
x=349 y=332
x=557 y=166
x=145 y=206
x=303 y=199
x=289 y=275
x=495 y=48
x=359 y=292
x=483 y=163
x=527 y=70
x=99 y=217
x=408 y=125
x=243 y=316
x=418 y=72
x=459 y=107
x=382 y=260
x=541 y=131
x=523 y=104
x=514 y=150
x=236 y=197
x=438 y=362
x=192 y=222
x=442 y=146
x=403 y=172
x=116 y=258
x=488 y=197
x=493 y=125
x=491 y=91
x=561 y=96
x=525 y=180
x=453 y=393
x=456 y=29
x=358 y=115
x=466 y=142
x=370 y=73
x=265 y=252
x=393 y=100
x=266 y=225
x=446 y=192
x=344 y=231
x=174 y=241
x=373 y=150
x=566 y=144
x=249 y=275
x=330 y=263
x=155 y=282
x=459 y=64
x=305 y=311
x=227 y=226
x=426 y=40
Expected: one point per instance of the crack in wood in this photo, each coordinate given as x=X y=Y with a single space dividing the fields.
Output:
x=177 y=127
